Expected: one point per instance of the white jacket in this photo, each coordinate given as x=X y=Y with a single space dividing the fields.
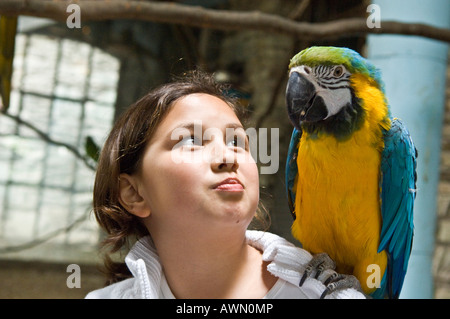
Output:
x=287 y=262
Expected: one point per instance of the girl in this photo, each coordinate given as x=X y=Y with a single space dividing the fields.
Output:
x=176 y=173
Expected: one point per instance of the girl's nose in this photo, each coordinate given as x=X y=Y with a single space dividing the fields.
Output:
x=223 y=158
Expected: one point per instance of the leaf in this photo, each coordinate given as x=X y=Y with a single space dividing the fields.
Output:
x=92 y=149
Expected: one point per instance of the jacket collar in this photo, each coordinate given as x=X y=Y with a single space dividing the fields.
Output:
x=286 y=261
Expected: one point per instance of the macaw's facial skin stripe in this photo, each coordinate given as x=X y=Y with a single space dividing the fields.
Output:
x=368 y=108
x=327 y=56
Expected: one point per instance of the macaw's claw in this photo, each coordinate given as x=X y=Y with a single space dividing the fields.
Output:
x=339 y=282
x=318 y=264
x=323 y=264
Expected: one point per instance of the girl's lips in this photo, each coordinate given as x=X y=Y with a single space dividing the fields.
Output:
x=229 y=185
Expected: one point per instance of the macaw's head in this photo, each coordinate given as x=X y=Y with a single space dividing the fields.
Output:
x=331 y=90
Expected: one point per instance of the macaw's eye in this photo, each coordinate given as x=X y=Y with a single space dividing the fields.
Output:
x=338 y=71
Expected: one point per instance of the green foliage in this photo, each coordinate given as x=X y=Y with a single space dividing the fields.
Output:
x=92 y=149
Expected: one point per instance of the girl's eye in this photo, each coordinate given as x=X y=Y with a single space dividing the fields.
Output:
x=238 y=141
x=190 y=141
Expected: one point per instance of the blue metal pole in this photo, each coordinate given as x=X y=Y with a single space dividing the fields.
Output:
x=414 y=72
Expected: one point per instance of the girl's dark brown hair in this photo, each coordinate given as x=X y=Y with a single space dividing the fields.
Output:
x=122 y=153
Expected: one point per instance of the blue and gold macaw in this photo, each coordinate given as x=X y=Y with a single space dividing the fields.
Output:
x=351 y=168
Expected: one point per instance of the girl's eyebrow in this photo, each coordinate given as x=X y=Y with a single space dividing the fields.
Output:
x=234 y=125
x=192 y=125
x=188 y=125
x=196 y=128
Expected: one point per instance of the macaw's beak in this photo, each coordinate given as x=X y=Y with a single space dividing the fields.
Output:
x=303 y=104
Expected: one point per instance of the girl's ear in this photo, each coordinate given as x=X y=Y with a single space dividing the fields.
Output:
x=130 y=198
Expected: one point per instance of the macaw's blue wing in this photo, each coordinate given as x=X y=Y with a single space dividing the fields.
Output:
x=292 y=169
x=398 y=191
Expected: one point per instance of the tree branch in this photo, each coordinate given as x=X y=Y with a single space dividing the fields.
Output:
x=164 y=12
x=48 y=139
x=41 y=240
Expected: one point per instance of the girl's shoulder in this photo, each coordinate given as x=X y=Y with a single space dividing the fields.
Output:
x=288 y=262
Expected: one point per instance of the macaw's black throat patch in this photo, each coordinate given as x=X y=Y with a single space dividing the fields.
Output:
x=341 y=125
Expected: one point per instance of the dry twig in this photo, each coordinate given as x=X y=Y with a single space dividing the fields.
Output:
x=164 y=12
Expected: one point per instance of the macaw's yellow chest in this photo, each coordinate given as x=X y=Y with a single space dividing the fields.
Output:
x=337 y=202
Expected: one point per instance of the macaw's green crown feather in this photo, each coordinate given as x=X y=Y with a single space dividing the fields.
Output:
x=352 y=61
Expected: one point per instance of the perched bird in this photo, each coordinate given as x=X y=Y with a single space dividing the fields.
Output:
x=351 y=169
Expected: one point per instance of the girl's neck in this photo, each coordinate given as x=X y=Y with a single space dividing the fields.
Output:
x=216 y=268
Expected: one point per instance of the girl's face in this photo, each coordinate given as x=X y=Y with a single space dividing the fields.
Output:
x=197 y=170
